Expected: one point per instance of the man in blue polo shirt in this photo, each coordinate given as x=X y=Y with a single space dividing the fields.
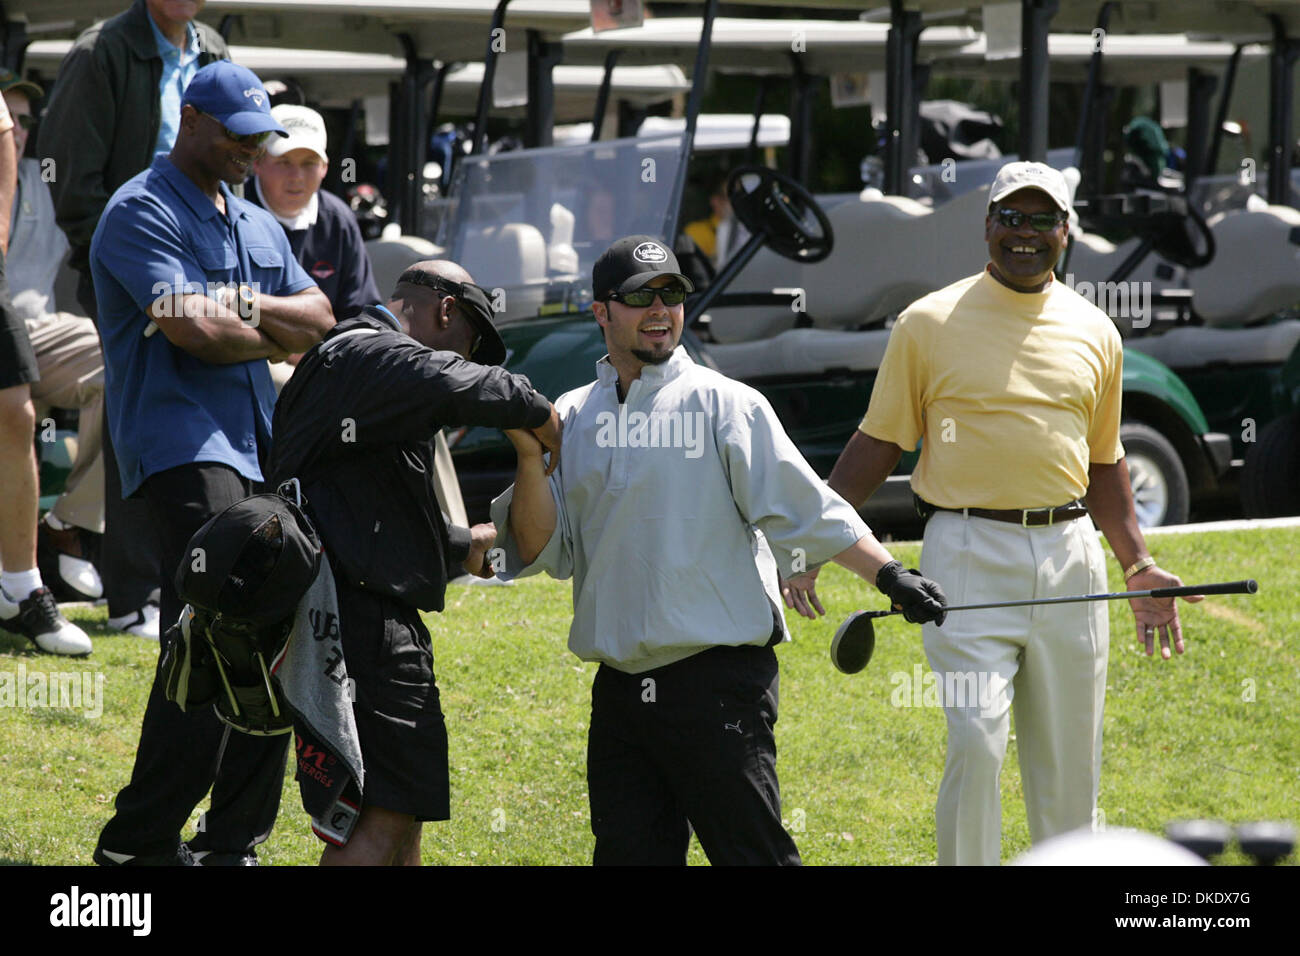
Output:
x=115 y=105
x=196 y=290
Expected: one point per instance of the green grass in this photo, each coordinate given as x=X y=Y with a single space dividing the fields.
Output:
x=858 y=775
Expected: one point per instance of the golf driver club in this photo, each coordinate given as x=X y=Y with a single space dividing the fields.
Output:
x=855 y=641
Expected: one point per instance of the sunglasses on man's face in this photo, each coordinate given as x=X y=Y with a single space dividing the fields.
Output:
x=246 y=139
x=671 y=294
x=1041 y=221
x=25 y=120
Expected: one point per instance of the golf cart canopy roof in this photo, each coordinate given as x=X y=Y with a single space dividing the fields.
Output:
x=1231 y=20
x=1129 y=59
x=830 y=46
x=445 y=25
x=446 y=30
x=757 y=46
x=336 y=78
x=442 y=29
x=61 y=18
x=714 y=131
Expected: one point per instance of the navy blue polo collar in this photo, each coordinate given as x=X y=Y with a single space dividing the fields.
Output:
x=195 y=198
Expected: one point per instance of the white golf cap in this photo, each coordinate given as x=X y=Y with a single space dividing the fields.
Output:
x=306 y=131
x=1011 y=178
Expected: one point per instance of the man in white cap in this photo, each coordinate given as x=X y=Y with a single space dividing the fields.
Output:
x=1013 y=380
x=323 y=231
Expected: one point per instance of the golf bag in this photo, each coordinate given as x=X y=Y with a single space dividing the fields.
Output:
x=243 y=575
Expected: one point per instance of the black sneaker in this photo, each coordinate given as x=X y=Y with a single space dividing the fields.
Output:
x=181 y=856
x=37 y=617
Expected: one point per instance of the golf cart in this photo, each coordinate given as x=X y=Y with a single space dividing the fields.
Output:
x=1235 y=344
x=818 y=376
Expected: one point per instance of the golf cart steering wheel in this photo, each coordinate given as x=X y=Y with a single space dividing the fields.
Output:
x=773 y=205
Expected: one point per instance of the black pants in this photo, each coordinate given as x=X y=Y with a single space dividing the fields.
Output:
x=129 y=559
x=682 y=746
x=130 y=553
x=183 y=754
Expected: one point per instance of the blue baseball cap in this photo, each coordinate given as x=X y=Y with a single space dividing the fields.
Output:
x=234 y=96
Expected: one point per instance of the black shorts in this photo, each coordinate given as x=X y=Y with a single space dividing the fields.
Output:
x=17 y=358
x=399 y=720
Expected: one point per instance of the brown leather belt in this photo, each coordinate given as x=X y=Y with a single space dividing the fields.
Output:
x=1025 y=517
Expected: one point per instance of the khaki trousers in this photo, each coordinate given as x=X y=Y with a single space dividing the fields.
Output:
x=1047 y=664
x=72 y=376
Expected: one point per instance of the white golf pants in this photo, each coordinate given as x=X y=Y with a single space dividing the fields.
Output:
x=1046 y=663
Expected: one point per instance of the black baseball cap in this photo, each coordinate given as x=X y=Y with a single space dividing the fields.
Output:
x=632 y=262
x=251 y=562
x=491 y=350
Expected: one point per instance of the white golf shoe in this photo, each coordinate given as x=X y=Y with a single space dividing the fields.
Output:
x=141 y=623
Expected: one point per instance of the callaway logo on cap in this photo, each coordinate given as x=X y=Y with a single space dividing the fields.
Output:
x=632 y=262
x=234 y=96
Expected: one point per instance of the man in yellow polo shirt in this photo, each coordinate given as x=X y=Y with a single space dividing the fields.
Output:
x=1013 y=382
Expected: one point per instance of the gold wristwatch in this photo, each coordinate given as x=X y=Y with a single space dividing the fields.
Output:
x=247 y=300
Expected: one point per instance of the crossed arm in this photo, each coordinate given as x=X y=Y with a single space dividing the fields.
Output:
x=213 y=332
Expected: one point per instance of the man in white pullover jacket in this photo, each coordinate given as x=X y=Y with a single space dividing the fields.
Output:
x=667 y=469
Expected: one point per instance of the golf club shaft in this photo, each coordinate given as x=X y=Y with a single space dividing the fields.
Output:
x=1226 y=587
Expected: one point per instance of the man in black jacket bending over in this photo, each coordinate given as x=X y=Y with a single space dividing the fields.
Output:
x=355 y=425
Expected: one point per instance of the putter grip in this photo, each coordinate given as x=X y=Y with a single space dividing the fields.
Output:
x=1227 y=587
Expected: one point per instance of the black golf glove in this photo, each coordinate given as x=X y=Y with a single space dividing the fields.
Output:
x=921 y=599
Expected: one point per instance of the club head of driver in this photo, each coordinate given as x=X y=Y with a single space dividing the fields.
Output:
x=854 y=643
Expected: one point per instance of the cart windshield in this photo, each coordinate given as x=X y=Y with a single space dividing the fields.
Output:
x=529 y=224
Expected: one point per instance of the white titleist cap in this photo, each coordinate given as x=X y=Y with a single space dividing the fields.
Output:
x=1011 y=178
x=306 y=131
